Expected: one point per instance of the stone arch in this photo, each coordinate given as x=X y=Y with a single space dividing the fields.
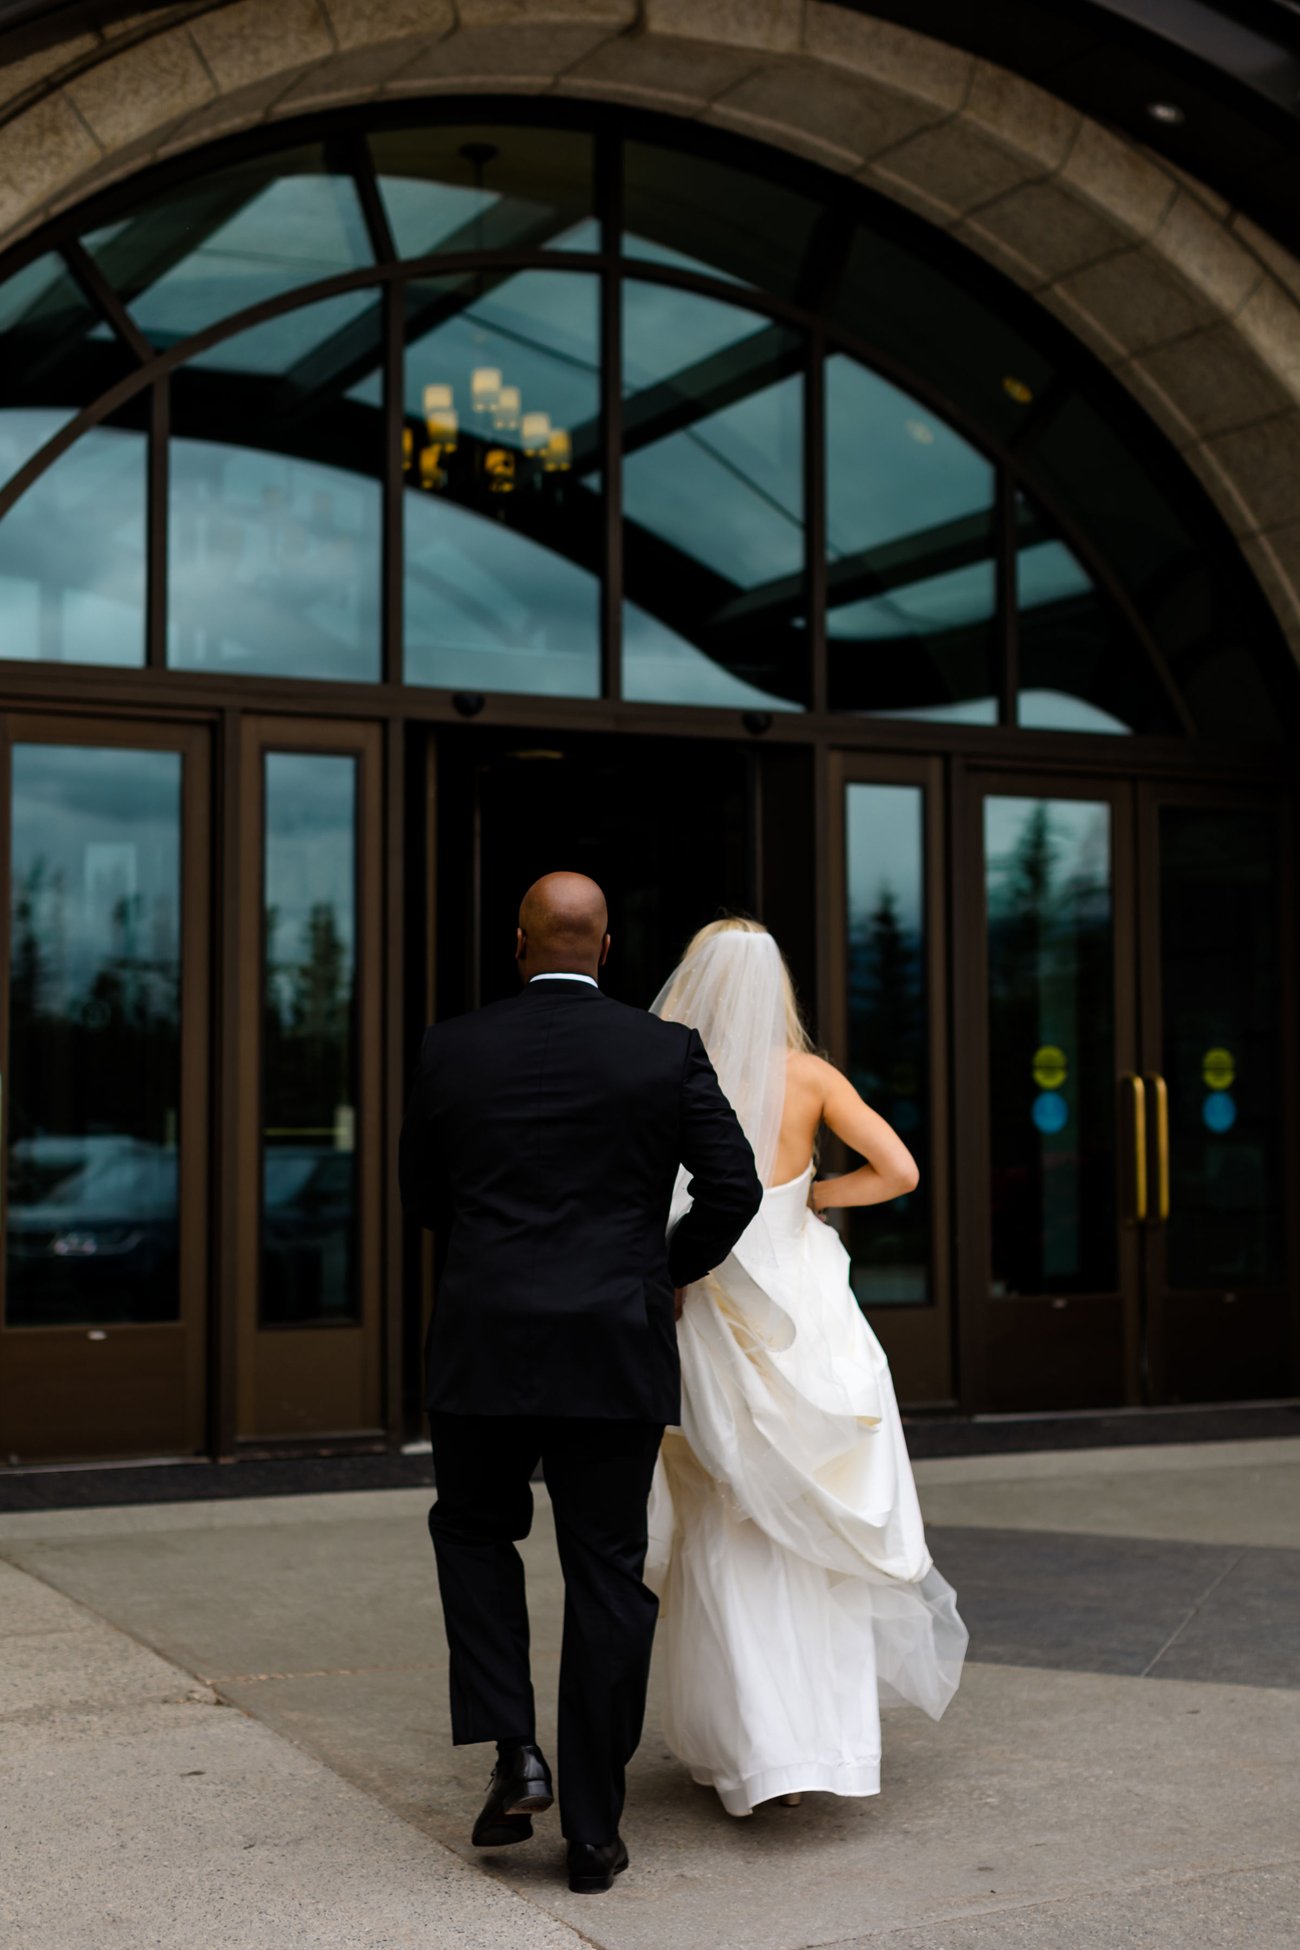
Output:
x=1194 y=307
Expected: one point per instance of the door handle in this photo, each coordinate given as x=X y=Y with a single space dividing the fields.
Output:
x=1161 y=1089
x=1139 y=1106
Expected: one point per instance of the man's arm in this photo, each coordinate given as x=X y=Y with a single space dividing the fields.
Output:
x=723 y=1184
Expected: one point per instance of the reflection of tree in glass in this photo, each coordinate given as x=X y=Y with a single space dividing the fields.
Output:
x=94 y=1054
x=308 y=1023
x=1049 y=949
x=884 y=996
x=887 y=1063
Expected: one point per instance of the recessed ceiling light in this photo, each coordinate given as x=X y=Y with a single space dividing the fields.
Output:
x=1017 y=390
x=1167 y=112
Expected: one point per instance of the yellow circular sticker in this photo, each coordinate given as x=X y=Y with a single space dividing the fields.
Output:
x=1049 y=1067
x=1219 y=1069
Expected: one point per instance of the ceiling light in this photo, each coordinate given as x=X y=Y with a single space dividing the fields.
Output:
x=1167 y=112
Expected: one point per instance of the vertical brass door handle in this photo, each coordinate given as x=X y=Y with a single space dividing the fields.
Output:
x=1157 y=1083
x=1139 y=1103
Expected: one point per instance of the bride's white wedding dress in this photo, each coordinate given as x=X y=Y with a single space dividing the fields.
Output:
x=786 y=1543
x=786 y=1540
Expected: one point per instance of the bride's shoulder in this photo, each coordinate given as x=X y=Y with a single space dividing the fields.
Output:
x=806 y=1070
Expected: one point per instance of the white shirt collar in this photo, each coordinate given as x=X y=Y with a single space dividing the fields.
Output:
x=562 y=975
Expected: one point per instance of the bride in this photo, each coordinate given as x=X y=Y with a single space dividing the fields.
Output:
x=786 y=1541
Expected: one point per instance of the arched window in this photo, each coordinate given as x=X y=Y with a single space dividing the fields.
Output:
x=542 y=407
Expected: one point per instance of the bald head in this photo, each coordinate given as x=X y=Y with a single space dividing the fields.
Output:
x=563 y=926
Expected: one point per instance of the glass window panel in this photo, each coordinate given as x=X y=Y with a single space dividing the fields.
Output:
x=503 y=518
x=52 y=362
x=703 y=215
x=309 y=1086
x=72 y=550
x=1203 y=610
x=1051 y=1045
x=919 y=315
x=486 y=188
x=1221 y=1012
x=93 y=1079
x=231 y=238
x=911 y=602
x=1080 y=669
x=712 y=498
x=274 y=523
x=889 y=1245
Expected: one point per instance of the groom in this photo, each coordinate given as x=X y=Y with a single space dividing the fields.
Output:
x=541 y=1146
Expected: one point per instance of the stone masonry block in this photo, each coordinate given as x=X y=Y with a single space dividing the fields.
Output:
x=954 y=166
x=684 y=74
x=912 y=64
x=541 y=13
x=250 y=42
x=1263 y=463
x=1118 y=179
x=1206 y=254
x=845 y=113
x=1217 y=380
x=1139 y=299
x=1284 y=264
x=1048 y=227
x=367 y=23
x=141 y=88
x=1269 y=321
x=539 y=52
x=18 y=76
x=44 y=148
x=1026 y=118
x=774 y=26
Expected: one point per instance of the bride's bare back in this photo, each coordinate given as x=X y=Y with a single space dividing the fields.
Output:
x=816 y=1093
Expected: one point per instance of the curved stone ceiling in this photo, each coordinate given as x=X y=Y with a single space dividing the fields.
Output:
x=1194 y=308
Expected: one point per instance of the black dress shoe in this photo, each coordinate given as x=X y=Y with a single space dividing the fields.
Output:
x=520 y=1788
x=593 y=1865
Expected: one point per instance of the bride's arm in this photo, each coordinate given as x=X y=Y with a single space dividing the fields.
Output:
x=889 y=1169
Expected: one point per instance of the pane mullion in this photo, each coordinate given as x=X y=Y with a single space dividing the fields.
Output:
x=157 y=525
x=394 y=483
x=815 y=514
x=609 y=160
x=1008 y=673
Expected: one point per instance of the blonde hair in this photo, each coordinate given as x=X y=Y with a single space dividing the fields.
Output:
x=796 y=1030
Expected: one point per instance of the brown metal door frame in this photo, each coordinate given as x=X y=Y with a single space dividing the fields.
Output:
x=970 y=787
x=145 y=1370
x=918 y=1339
x=1152 y=796
x=335 y=1374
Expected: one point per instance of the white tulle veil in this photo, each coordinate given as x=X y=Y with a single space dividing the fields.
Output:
x=732 y=988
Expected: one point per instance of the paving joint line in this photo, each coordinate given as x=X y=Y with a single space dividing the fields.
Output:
x=1203 y=1600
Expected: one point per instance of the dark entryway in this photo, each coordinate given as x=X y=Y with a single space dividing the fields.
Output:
x=671 y=828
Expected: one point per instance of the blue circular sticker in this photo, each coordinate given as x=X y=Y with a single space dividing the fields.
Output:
x=1050 y=1113
x=1219 y=1112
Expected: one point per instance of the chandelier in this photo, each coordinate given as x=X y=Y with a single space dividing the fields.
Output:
x=495 y=407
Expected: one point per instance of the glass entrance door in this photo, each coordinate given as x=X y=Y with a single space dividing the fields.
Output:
x=104 y=1089
x=1123 y=1140
x=1216 y=1056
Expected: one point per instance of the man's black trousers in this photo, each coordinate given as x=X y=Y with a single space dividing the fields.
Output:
x=598 y=1475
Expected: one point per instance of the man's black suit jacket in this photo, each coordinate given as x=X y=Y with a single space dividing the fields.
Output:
x=541 y=1145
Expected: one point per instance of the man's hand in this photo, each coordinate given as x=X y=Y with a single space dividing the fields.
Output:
x=679 y=1301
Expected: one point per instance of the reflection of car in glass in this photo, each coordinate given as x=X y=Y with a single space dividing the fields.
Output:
x=307 y=1207
x=91 y=1231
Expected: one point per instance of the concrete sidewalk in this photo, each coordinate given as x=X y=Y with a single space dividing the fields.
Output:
x=224 y=1725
